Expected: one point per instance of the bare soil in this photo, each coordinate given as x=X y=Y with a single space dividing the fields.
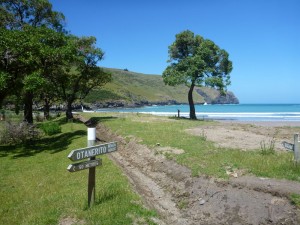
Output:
x=247 y=136
x=182 y=199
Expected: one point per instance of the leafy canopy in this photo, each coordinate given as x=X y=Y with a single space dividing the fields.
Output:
x=197 y=61
x=14 y=14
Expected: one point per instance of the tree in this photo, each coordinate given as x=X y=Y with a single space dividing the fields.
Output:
x=27 y=58
x=37 y=56
x=196 y=61
x=15 y=14
x=20 y=58
x=77 y=78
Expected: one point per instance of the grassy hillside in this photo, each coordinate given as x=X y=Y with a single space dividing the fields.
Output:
x=136 y=87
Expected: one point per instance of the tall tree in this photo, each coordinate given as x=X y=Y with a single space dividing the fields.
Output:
x=27 y=58
x=196 y=61
x=16 y=18
x=75 y=80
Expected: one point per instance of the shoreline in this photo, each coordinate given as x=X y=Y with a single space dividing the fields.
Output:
x=263 y=123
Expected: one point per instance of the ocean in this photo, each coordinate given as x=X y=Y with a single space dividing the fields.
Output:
x=241 y=112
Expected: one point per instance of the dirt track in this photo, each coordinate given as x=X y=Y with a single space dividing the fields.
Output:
x=181 y=199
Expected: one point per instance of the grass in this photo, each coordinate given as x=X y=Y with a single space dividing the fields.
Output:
x=201 y=156
x=50 y=128
x=36 y=188
x=295 y=199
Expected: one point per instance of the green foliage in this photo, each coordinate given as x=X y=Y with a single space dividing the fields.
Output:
x=39 y=57
x=16 y=14
x=50 y=128
x=33 y=82
x=197 y=60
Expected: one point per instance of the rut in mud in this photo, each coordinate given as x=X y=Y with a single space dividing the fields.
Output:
x=182 y=199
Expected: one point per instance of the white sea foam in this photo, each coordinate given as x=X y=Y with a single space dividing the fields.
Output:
x=246 y=112
x=236 y=116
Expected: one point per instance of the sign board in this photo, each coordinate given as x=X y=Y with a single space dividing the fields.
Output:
x=84 y=165
x=89 y=152
x=288 y=146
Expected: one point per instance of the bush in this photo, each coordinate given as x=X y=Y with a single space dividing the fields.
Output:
x=16 y=132
x=267 y=149
x=50 y=128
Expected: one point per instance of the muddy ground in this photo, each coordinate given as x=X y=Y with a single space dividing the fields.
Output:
x=182 y=199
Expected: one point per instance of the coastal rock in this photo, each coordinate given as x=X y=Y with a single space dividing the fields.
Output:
x=229 y=98
x=218 y=98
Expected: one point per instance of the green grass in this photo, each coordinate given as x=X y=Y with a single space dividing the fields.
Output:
x=201 y=156
x=295 y=199
x=36 y=188
x=50 y=128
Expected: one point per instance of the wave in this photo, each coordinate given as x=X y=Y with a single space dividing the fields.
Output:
x=283 y=116
x=262 y=112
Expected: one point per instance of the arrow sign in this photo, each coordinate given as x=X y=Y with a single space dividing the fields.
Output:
x=288 y=146
x=84 y=165
x=88 y=152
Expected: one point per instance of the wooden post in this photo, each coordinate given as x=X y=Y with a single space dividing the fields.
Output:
x=91 y=140
x=297 y=149
x=178 y=113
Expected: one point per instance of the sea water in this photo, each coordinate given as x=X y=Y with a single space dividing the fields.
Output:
x=242 y=112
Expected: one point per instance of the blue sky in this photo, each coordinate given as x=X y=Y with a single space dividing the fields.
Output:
x=262 y=38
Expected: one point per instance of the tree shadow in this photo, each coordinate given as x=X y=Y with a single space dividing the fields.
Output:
x=63 y=121
x=93 y=121
x=52 y=144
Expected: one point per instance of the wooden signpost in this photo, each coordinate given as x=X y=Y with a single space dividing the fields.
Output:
x=90 y=152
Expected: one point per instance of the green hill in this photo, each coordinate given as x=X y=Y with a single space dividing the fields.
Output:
x=133 y=89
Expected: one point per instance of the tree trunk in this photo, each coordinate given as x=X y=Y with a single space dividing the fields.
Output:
x=46 y=109
x=28 y=107
x=191 y=103
x=69 y=114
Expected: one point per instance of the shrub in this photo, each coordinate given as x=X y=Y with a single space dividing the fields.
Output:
x=18 y=132
x=267 y=149
x=50 y=128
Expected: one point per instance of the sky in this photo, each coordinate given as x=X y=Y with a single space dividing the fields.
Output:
x=262 y=38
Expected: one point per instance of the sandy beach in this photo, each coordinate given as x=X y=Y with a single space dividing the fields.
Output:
x=265 y=123
x=248 y=135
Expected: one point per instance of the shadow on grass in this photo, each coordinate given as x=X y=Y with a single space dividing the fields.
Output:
x=52 y=144
x=63 y=120
x=188 y=119
x=105 y=197
x=93 y=121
